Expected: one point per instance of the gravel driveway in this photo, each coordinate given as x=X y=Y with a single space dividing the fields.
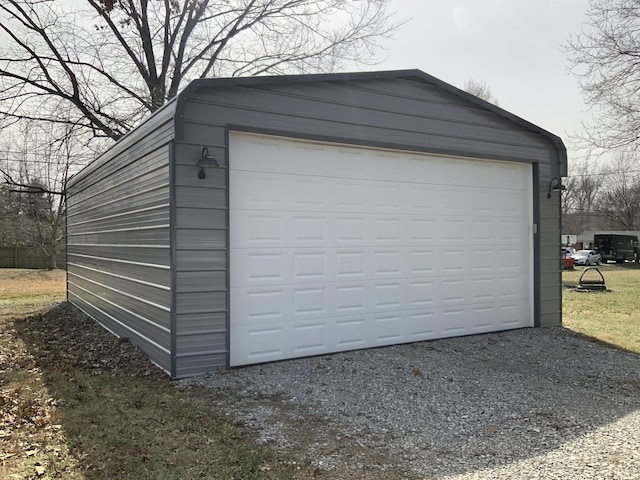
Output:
x=524 y=404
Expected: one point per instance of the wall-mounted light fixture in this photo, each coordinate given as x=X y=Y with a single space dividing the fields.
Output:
x=206 y=160
x=555 y=185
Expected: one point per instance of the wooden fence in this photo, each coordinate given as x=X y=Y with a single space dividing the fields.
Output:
x=27 y=257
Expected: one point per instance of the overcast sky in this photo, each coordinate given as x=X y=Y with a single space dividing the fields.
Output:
x=514 y=46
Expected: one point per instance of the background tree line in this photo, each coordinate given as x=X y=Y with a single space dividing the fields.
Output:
x=602 y=197
x=77 y=75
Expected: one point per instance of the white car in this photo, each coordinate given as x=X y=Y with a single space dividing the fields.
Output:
x=586 y=257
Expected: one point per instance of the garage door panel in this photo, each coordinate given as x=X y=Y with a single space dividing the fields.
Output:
x=310 y=229
x=421 y=325
x=336 y=247
x=352 y=332
x=273 y=266
x=271 y=191
x=354 y=162
x=284 y=229
x=257 y=305
x=275 y=341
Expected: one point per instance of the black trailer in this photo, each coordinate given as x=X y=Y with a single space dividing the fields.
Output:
x=618 y=248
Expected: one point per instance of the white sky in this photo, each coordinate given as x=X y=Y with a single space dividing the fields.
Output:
x=514 y=46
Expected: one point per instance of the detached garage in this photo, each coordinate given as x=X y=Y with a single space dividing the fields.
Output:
x=259 y=219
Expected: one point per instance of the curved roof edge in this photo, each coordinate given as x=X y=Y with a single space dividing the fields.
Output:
x=412 y=74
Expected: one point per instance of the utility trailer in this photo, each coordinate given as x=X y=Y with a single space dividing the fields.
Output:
x=618 y=248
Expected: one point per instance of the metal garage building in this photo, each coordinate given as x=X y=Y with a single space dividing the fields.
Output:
x=264 y=218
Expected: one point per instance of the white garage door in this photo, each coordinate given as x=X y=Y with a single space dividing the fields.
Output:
x=337 y=247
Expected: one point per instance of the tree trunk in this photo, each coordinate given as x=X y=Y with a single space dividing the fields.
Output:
x=52 y=254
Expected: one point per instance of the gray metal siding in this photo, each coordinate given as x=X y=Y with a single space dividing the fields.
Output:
x=118 y=241
x=201 y=260
x=148 y=240
x=549 y=233
x=410 y=121
x=393 y=113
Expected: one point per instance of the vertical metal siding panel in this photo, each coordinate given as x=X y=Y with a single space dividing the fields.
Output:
x=201 y=260
x=118 y=239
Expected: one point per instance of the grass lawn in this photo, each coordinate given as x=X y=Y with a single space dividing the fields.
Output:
x=613 y=316
x=23 y=292
x=78 y=403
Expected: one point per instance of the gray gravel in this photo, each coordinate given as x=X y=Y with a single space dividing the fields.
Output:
x=525 y=404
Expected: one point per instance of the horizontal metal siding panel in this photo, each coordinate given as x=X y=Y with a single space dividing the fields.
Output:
x=201 y=259
x=383 y=109
x=185 y=175
x=156 y=353
x=134 y=271
x=196 y=323
x=125 y=236
x=194 y=218
x=449 y=143
x=547 y=172
x=145 y=290
x=157 y=130
x=393 y=87
x=118 y=231
x=552 y=278
x=201 y=239
x=133 y=222
x=144 y=172
x=123 y=324
x=114 y=206
x=549 y=231
x=143 y=315
x=197 y=197
x=144 y=175
x=200 y=302
x=394 y=96
x=150 y=209
x=105 y=255
x=202 y=343
x=550 y=319
x=187 y=366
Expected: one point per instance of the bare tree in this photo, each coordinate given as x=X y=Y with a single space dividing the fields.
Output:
x=480 y=89
x=605 y=57
x=115 y=61
x=35 y=169
x=620 y=199
x=579 y=200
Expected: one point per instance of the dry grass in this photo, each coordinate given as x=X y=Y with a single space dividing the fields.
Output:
x=23 y=292
x=612 y=317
